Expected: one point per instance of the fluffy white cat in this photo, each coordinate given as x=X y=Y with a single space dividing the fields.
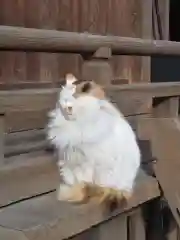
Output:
x=98 y=153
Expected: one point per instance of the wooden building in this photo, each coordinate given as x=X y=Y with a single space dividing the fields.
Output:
x=131 y=18
x=36 y=59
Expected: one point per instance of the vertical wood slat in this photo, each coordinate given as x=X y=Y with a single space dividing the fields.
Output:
x=136 y=226
x=124 y=19
x=146 y=22
x=146 y=34
x=68 y=20
x=48 y=11
x=163 y=11
x=12 y=64
x=166 y=11
x=173 y=233
x=113 y=229
x=32 y=20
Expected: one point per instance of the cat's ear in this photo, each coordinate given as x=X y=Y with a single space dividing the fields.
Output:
x=70 y=79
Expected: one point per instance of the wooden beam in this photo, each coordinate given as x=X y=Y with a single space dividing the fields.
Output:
x=19 y=98
x=39 y=40
x=131 y=99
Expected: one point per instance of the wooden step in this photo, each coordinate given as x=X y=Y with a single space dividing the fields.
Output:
x=27 y=175
x=44 y=218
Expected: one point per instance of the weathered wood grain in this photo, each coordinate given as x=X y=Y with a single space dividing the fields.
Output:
x=40 y=40
x=131 y=99
x=48 y=219
x=19 y=142
x=27 y=175
x=137 y=226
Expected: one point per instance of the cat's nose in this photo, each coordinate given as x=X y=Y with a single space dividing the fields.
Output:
x=69 y=109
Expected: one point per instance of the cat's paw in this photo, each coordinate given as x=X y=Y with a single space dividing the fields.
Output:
x=74 y=194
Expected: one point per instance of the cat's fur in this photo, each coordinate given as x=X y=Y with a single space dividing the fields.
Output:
x=98 y=153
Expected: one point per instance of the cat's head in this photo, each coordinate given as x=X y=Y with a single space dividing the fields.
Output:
x=79 y=97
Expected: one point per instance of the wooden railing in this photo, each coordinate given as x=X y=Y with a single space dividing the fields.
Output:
x=134 y=100
x=40 y=40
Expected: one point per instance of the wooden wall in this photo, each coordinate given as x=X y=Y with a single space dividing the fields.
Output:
x=130 y=18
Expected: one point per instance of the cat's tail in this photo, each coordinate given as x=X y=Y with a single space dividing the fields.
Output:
x=105 y=195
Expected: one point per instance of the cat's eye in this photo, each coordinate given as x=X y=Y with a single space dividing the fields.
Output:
x=86 y=87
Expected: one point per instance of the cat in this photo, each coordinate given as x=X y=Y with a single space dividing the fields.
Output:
x=99 y=157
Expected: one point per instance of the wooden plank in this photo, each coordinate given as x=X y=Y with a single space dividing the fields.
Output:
x=55 y=84
x=17 y=171
x=35 y=140
x=166 y=10
x=29 y=39
x=165 y=148
x=48 y=19
x=19 y=137
x=31 y=84
x=161 y=11
x=45 y=99
x=27 y=175
x=32 y=19
x=29 y=120
x=25 y=148
x=136 y=226
x=25 y=120
x=13 y=64
x=7 y=234
x=146 y=8
x=173 y=229
x=45 y=218
x=115 y=228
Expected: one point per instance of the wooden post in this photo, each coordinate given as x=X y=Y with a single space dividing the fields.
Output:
x=97 y=67
x=165 y=140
